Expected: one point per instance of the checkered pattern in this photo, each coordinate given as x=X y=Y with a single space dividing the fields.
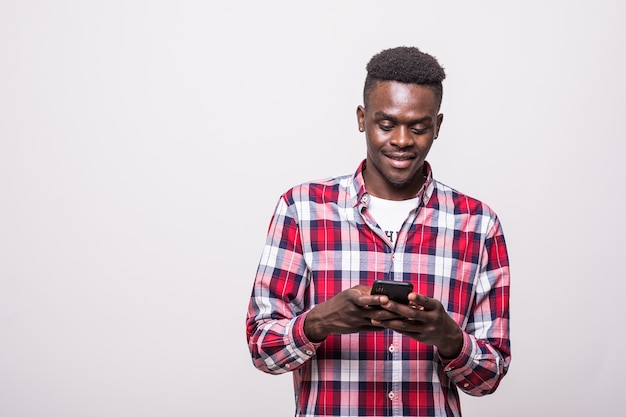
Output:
x=321 y=241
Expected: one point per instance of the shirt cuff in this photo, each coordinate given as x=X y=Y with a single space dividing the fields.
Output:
x=300 y=339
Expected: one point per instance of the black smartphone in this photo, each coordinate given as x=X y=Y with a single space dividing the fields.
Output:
x=396 y=290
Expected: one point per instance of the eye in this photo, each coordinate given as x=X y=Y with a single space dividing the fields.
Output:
x=418 y=131
x=384 y=127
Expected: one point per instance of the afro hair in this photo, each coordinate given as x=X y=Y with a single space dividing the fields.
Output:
x=407 y=65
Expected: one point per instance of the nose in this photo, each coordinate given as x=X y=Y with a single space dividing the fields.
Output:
x=402 y=137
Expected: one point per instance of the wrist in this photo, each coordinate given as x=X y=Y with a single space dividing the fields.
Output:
x=452 y=347
x=313 y=327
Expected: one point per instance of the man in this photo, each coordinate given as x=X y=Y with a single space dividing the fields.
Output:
x=311 y=311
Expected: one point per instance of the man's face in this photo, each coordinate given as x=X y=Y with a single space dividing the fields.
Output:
x=400 y=124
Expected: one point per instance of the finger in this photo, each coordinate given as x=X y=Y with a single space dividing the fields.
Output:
x=387 y=324
x=399 y=310
x=371 y=300
x=377 y=323
x=381 y=314
x=399 y=325
x=422 y=302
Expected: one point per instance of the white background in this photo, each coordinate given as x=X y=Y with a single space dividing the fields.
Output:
x=143 y=145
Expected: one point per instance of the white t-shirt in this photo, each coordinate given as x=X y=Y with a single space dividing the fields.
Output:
x=391 y=214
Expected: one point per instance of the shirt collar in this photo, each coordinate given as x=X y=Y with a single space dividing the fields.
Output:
x=361 y=195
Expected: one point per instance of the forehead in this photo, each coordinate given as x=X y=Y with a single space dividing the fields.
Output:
x=402 y=97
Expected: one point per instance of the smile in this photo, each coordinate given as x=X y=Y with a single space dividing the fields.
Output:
x=400 y=157
x=400 y=160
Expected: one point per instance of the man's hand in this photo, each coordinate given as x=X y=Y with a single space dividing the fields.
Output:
x=425 y=320
x=350 y=311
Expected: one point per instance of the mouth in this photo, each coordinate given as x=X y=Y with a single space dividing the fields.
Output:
x=399 y=160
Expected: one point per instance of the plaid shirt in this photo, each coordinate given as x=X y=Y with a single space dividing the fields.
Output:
x=321 y=241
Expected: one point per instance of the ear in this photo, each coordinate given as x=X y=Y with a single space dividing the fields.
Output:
x=360 y=118
x=439 y=122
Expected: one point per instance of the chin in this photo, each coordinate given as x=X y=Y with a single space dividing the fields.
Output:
x=399 y=183
x=403 y=181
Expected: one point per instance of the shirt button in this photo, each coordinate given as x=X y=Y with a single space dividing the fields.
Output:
x=465 y=385
x=287 y=366
x=308 y=352
x=365 y=199
x=392 y=348
x=391 y=395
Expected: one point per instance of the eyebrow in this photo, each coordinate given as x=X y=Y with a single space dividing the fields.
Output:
x=395 y=119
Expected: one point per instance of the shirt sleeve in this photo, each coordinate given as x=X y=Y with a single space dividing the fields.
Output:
x=276 y=313
x=486 y=353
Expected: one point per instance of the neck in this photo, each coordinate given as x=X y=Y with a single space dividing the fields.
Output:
x=382 y=188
